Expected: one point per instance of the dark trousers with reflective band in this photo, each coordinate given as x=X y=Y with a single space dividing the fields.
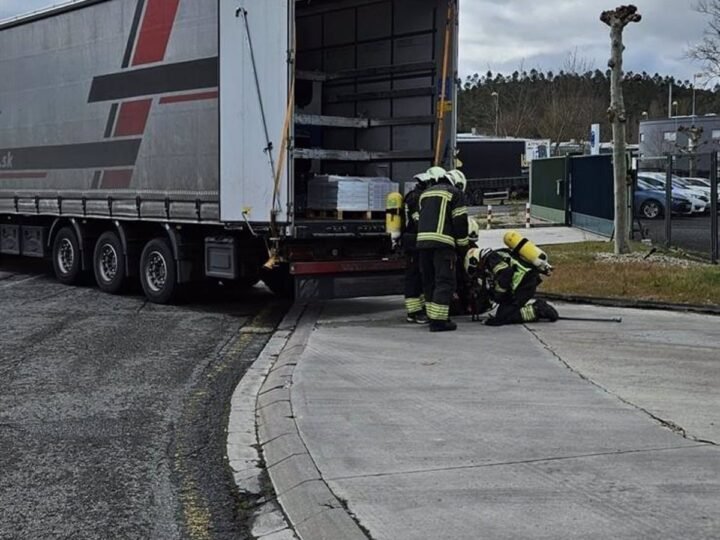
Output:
x=414 y=298
x=439 y=281
x=517 y=310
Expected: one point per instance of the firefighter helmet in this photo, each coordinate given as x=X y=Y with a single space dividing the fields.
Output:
x=436 y=173
x=473 y=229
x=423 y=178
x=458 y=179
x=472 y=261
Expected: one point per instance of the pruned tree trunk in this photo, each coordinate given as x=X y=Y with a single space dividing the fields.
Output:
x=617 y=20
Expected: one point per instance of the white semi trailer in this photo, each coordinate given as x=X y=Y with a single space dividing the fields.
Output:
x=173 y=140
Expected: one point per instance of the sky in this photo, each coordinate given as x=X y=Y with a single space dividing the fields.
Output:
x=505 y=35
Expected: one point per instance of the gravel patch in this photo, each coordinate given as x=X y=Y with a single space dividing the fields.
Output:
x=656 y=258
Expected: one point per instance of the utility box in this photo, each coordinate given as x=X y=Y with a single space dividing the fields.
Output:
x=10 y=239
x=221 y=258
x=33 y=241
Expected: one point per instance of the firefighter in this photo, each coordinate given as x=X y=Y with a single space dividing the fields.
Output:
x=511 y=283
x=442 y=231
x=414 y=298
x=462 y=303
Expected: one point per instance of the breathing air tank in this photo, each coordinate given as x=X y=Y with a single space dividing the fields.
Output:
x=527 y=251
x=393 y=215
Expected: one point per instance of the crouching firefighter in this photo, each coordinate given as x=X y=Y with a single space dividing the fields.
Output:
x=442 y=230
x=510 y=282
x=414 y=297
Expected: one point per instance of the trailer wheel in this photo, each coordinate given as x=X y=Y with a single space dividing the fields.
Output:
x=109 y=263
x=158 y=271
x=66 y=257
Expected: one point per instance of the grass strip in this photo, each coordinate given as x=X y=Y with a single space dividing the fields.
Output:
x=588 y=269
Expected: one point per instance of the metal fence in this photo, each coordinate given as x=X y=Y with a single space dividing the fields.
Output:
x=676 y=202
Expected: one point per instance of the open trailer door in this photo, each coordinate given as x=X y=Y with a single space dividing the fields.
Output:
x=254 y=89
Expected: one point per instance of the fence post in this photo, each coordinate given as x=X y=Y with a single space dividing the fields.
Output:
x=489 y=217
x=668 y=201
x=714 y=206
x=527 y=215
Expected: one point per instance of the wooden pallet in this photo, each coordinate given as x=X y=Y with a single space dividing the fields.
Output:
x=345 y=215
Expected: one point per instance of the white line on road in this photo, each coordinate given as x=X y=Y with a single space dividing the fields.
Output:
x=13 y=283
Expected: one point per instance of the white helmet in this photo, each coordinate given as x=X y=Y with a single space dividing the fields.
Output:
x=472 y=261
x=423 y=178
x=436 y=173
x=473 y=229
x=458 y=179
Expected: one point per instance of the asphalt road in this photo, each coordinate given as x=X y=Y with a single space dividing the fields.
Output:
x=688 y=233
x=113 y=411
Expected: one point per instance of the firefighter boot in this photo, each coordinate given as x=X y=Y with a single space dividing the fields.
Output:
x=418 y=317
x=442 y=326
x=545 y=311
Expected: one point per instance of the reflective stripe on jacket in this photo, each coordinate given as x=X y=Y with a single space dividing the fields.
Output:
x=506 y=272
x=443 y=218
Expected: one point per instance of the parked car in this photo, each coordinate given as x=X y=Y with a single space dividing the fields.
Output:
x=649 y=202
x=700 y=202
x=700 y=183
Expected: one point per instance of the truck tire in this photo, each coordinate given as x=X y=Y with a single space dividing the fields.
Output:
x=109 y=263
x=67 y=257
x=158 y=271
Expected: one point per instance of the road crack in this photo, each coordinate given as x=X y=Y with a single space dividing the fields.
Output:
x=668 y=424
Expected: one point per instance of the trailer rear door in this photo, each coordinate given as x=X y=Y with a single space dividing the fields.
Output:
x=254 y=89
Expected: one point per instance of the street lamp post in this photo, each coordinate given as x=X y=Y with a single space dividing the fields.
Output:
x=497 y=111
x=696 y=76
x=675 y=105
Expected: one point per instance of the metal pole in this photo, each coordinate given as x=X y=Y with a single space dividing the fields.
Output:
x=714 y=206
x=670 y=101
x=668 y=201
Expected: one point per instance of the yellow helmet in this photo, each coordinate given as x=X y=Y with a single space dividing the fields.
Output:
x=458 y=179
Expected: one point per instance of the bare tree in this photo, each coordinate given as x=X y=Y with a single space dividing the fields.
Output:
x=567 y=110
x=708 y=50
x=617 y=20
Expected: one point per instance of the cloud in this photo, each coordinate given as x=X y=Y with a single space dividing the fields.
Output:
x=500 y=35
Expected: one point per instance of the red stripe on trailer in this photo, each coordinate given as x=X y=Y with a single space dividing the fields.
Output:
x=133 y=118
x=119 y=179
x=345 y=267
x=189 y=97
x=155 y=31
x=22 y=175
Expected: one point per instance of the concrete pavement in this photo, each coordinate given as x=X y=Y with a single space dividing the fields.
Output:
x=571 y=430
x=542 y=236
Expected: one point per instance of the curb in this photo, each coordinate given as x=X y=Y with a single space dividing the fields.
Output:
x=312 y=508
x=268 y=521
x=631 y=304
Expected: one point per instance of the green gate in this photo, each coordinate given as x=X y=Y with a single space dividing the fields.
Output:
x=549 y=189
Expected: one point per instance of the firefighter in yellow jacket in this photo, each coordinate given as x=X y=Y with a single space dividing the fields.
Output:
x=442 y=234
